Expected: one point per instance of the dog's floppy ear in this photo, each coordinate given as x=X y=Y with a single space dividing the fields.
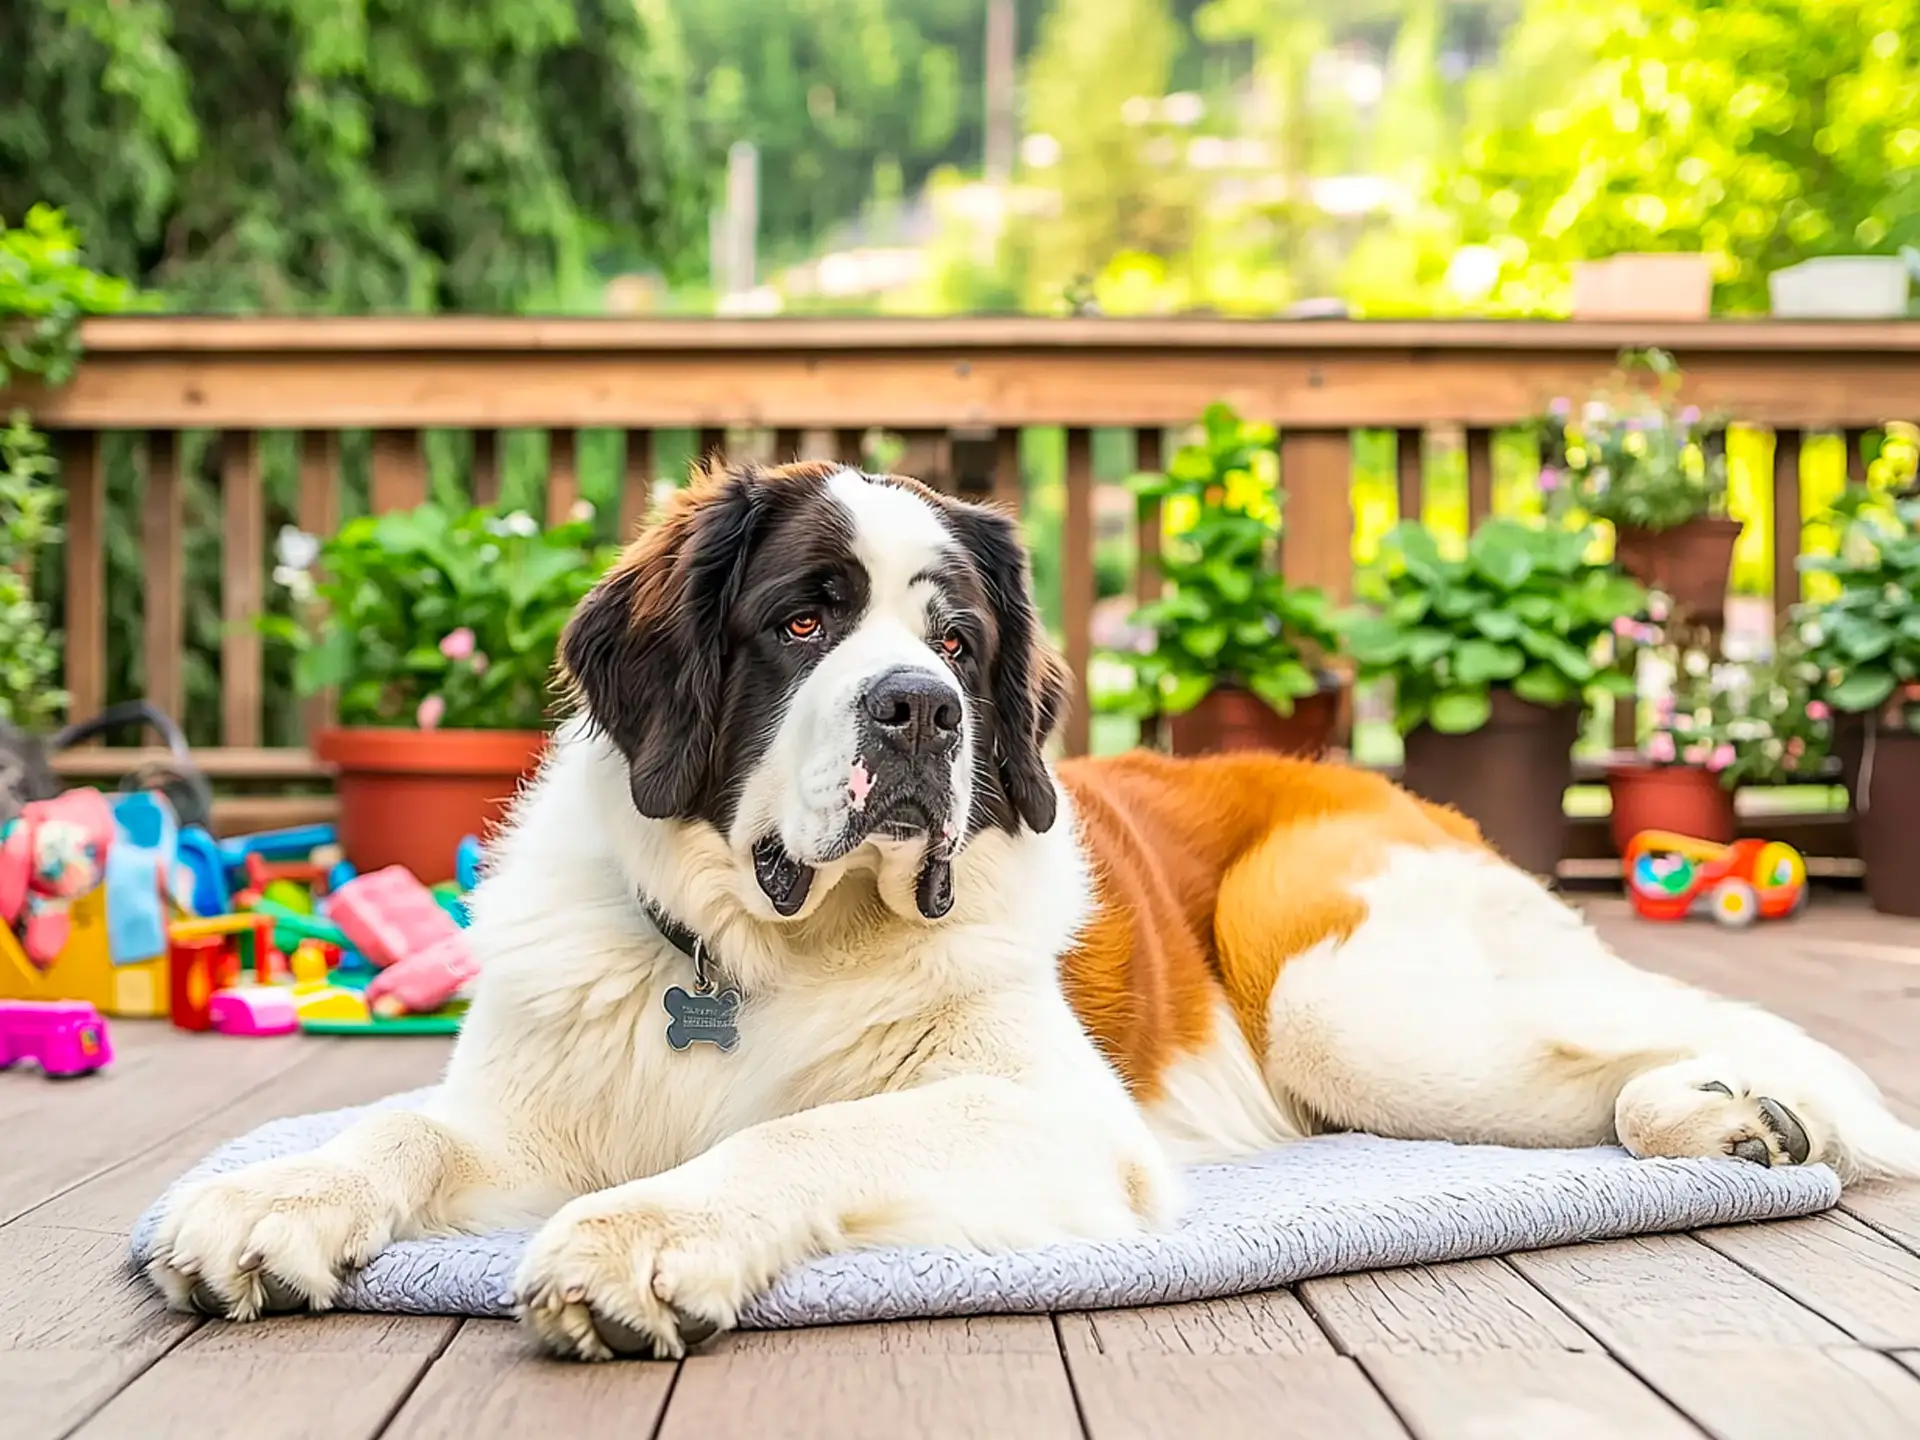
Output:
x=1028 y=685
x=645 y=653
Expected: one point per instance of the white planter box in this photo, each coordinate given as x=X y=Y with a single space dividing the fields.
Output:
x=1841 y=287
x=1643 y=287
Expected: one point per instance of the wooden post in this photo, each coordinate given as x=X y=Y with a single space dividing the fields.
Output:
x=1008 y=484
x=1409 y=461
x=1479 y=476
x=243 y=543
x=318 y=511
x=1148 y=583
x=713 y=447
x=636 y=484
x=1076 y=586
x=486 y=467
x=1316 y=469
x=926 y=459
x=1855 y=441
x=563 y=476
x=83 y=472
x=399 y=472
x=1786 y=522
x=786 y=446
x=851 y=447
x=163 y=541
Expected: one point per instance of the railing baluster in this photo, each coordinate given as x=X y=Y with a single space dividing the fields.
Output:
x=713 y=445
x=1008 y=484
x=1786 y=522
x=84 y=473
x=1479 y=476
x=925 y=459
x=1316 y=471
x=851 y=447
x=1856 y=456
x=399 y=471
x=486 y=467
x=317 y=510
x=636 y=484
x=243 y=542
x=163 y=539
x=1409 y=460
x=786 y=446
x=563 y=475
x=1076 y=586
x=1148 y=584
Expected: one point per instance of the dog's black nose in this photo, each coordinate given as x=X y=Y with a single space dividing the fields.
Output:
x=914 y=710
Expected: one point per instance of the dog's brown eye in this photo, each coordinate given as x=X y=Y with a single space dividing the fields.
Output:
x=952 y=646
x=803 y=627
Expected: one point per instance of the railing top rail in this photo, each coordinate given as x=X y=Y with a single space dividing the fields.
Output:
x=342 y=335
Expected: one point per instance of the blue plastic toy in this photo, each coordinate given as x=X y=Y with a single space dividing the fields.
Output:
x=466 y=862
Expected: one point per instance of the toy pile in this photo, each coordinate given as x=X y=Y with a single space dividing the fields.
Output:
x=108 y=905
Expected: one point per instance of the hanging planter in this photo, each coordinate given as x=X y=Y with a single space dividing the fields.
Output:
x=1692 y=562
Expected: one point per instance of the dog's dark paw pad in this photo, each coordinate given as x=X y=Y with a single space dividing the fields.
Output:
x=205 y=1302
x=1754 y=1151
x=1786 y=1128
x=623 y=1339
x=280 y=1298
x=694 y=1329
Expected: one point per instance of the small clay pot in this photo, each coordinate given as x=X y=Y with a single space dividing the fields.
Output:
x=407 y=797
x=1231 y=718
x=1509 y=777
x=1683 y=799
x=1692 y=563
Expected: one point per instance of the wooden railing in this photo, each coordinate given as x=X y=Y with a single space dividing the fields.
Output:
x=957 y=391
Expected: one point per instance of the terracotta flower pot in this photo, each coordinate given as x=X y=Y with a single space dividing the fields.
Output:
x=408 y=796
x=1684 y=799
x=1510 y=777
x=1230 y=718
x=1889 y=837
x=1692 y=562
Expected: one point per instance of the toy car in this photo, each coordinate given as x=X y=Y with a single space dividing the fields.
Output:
x=65 y=1037
x=1670 y=877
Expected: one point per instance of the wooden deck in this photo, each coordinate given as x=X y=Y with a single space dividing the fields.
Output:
x=1799 y=1329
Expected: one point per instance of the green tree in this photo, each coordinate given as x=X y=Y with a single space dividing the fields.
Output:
x=353 y=156
x=1761 y=133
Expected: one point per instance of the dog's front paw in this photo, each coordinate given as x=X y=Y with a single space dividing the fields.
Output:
x=620 y=1274
x=1707 y=1108
x=271 y=1238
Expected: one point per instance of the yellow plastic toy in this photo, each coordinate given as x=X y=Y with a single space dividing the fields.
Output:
x=84 y=968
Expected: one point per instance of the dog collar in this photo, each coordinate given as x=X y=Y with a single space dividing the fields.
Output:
x=711 y=1014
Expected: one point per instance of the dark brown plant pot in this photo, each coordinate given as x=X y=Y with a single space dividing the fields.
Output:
x=1848 y=743
x=1230 y=718
x=1888 y=830
x=1691 y=563
x=1682 y=799
x=1509 y=777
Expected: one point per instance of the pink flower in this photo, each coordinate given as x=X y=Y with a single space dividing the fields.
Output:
x=1721 y=757
x=1697 y=754
x=1796 y=747
x=1817 y=710
x=1623 y=625
x=1549 y=478
x=1660 y=748
x=1656 y=606
x=432 y=711
x=480 y=662
x=457 y=644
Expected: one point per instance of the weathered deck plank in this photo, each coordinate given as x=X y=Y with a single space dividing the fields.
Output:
x=1780 y=1393
x=1834 y=1265
x=1465 y=1307
x=1522 y=1395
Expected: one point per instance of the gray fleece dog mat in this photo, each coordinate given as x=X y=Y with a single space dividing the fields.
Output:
x=1327 y=1206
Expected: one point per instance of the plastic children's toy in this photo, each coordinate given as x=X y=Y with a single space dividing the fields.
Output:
x=65 y=1037
x=424 y=982
x=466 y=862
x=52 y=853
x=1672 y=876
x=389 y=915
x=253 y=1010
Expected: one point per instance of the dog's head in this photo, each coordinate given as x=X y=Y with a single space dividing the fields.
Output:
x=815 y=661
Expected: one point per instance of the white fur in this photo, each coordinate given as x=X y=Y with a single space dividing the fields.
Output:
x=899 y=1081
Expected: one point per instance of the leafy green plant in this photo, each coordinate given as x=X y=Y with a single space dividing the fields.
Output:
x=1524 y=610
x=1865 y=641
x=434 y=618
x=29 y=502
x=45 y=291
x=1631 y=454
x=1227 y=616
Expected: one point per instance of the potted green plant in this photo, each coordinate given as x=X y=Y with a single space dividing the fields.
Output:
x=1633 y=456
x=1233 y=654
x=1864 y=646
x=437 y=632
x=1714 y=726
x=1491 y=654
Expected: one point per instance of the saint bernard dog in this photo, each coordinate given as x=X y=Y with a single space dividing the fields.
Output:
x=799 y=943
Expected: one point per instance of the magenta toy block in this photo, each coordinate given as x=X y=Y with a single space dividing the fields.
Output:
x=389 y=915
x=66 y=1037
x=253 y=1010
x=424 y=982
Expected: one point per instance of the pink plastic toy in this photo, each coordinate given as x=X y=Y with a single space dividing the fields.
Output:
x=50 y=853
x=423 y=983
x=66 y=1037
x=389 y=915
x=253 y=1010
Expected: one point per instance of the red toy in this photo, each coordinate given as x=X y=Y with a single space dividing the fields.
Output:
x=1669 y=877
x=65 y=1037
x=198 y=968
x=389 y=915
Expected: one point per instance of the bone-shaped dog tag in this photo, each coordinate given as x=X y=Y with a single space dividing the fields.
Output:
x=705 y=1019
